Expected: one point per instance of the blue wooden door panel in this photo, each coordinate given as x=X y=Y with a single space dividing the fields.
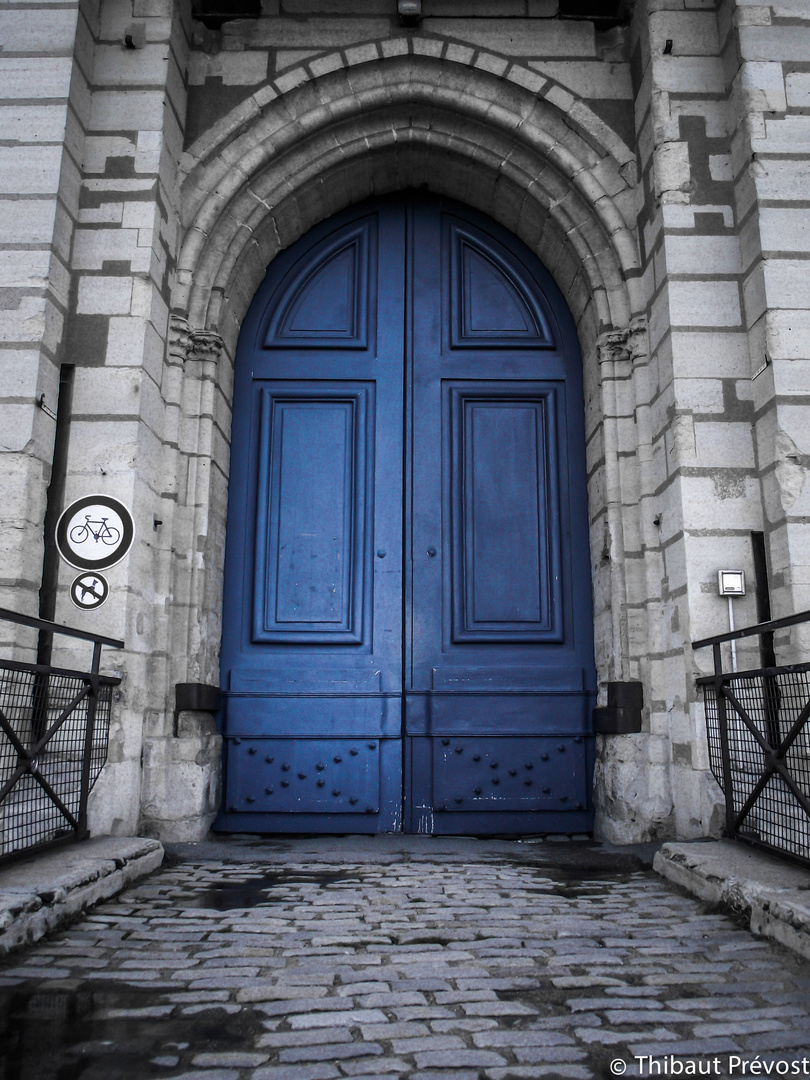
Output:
x=407 y=370
x=329 y=301
x=499 y=622
x=493 y=303
x=312 y=635
x=457 y=794
x=334 y=711
x=509 y=711
x=305 y=776
x=513 y=774
x=314 y=785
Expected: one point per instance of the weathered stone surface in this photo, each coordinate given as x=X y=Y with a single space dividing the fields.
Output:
x=614 y=960
x=43 y=893
x=770 y=894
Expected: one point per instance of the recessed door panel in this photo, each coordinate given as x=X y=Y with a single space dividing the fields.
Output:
x=312 y=509
x=504 y=513
x=329 y=301
x=492 y=301
x=407 y=632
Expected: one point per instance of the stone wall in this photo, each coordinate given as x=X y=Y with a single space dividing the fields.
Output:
x=763 y=46
x=688 y=417
x=43 y=74
x=657 y=169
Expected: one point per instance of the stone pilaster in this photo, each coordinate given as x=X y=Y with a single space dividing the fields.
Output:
x=613 y=357
x=128 y=387
x=182 y=767
x=768 y=165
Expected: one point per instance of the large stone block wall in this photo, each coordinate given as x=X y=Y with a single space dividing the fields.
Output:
x=661 y=184
x=720 y=404
x=769 y=96
x=691 y=493
x=43 y=86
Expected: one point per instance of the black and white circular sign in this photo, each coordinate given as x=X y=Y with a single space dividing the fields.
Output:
x=95 y=532
x=89 y=591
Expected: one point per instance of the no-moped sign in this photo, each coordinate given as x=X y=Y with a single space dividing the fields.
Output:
x=94 y=532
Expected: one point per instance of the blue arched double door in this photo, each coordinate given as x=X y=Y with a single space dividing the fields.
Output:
x=408 y=634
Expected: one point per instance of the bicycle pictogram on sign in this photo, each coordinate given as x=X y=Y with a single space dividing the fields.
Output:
x=99 y=530
x=95 y=532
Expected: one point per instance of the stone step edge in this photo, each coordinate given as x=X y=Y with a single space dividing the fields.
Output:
x=47 y=890
x=773 y=895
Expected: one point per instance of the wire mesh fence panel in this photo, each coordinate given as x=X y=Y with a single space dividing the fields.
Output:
x=54 y=730
x=46 y=757
x=767 y=734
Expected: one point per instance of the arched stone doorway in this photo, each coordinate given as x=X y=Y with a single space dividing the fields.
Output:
x=407 y=638
x=538 y=163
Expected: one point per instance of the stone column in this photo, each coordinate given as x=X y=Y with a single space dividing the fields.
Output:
x=631 y=784
x=125 y=425
x=204 y=623
x=614 y=363
x=182 y=753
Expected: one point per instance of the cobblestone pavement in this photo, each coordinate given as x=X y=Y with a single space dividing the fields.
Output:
x=465 y=959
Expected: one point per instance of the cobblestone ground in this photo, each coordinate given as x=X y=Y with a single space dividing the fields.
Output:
x=462 y=959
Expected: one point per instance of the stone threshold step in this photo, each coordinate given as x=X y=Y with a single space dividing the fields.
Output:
x=46 y=890
x=773 y=895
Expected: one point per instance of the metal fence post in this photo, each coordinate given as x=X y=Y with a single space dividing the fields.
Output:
x=722 y=721
x=92 y=704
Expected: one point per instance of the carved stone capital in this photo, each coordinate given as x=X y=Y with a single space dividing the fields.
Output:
x=612 y=346
x=205 y=345
x=185 y=343
x=637 y=339
x=179 y=337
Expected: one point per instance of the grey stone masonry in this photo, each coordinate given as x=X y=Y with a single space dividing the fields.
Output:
x=401 y=957
x=43 y=92
x=657 y=168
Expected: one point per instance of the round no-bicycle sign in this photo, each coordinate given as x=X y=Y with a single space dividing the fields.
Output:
x=94 y=532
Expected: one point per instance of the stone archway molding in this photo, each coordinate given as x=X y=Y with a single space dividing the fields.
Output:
x=381 y=117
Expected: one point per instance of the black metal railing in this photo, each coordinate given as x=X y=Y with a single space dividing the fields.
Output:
x=758 y=727
x=54 y=728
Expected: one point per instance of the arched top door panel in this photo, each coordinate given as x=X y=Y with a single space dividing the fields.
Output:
x=494 y=304
x=327 y=300
x=325 y=297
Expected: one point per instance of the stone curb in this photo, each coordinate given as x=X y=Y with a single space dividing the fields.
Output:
x=45 y=891
x=774 y=896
